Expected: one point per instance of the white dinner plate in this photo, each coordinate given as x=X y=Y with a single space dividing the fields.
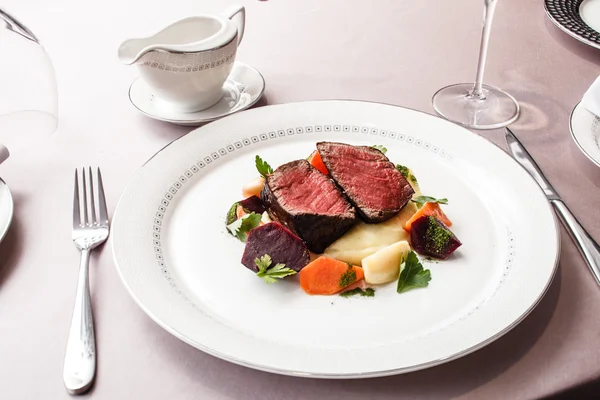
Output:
x=6 y=209
x=183 y=269
x=585 y=130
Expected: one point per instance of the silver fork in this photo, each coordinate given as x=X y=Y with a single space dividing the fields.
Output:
x=90 y=229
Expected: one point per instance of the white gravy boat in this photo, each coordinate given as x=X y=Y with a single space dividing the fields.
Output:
x=187 y=62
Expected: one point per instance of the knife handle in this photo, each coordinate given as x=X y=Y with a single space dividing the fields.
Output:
x=588 y=248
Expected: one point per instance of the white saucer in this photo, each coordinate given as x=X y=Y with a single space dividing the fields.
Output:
x=585 y=129
x=6 y=209
x=243 y=88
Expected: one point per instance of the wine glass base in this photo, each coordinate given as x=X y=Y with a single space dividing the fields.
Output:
x=455 y=103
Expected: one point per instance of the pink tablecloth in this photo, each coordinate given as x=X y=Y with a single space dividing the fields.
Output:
x=393 y=51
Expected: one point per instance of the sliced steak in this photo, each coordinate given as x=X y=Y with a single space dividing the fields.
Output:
x=371 y=182
x=282 y=245
x=307 y=203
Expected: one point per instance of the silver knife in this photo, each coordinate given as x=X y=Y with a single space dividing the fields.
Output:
x=588 y=248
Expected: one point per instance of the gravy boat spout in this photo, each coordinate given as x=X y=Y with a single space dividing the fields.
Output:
x=133 y=49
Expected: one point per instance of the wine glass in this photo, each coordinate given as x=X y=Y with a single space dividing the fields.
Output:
x=477 y=106
x=28 y=95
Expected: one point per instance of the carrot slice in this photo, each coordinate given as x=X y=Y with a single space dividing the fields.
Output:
x=429 y=209
x=316 y=161
x=239 y=212
x=328 y=276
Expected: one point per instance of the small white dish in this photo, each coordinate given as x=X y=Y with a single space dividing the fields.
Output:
x=585 y=130
x=243 y=88
x=6 y=209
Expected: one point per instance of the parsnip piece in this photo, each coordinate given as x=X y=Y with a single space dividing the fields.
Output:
x=384 y=265
x=265 y=219
x=253 y=187
x=363 y=239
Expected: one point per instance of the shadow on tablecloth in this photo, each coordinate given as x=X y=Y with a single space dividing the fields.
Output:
x=571 y=44
x=171 y=132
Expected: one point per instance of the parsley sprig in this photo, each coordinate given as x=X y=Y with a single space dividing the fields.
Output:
x=271 y=274
x=263 y=167
x=413 y=274
x=242 y=226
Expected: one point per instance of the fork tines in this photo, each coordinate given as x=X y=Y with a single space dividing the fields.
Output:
x=85 y=212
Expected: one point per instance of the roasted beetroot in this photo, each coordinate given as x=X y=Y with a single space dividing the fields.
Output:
x=430 y=237
x=278 y=242
x=253 y=204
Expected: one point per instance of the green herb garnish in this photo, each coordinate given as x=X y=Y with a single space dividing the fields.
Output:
x=437 y=237
x=263 y=167
x=407 y=173
x=270 y=275
x=242 y=226
x=232 y=214
x=348 y=277
x=380 y=148
x=368 y=292
x=428 y=199
x=413 y=275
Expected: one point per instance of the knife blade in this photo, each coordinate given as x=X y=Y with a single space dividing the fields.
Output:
x=588 y=248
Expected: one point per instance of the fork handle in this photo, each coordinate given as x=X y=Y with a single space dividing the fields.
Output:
x=80 y=358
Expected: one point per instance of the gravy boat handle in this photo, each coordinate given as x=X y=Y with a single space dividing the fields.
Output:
x=237 y=14
x=3 y=153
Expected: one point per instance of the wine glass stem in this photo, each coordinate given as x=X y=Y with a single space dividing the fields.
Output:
x=488 y=16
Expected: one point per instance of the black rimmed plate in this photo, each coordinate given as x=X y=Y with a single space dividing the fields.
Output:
x=575 y=17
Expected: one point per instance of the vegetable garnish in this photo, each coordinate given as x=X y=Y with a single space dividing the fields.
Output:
x=413 y=275
x=232 y=214
x=380 y=148
x=405 y=171
x=270 y=275
x=428 y=199
x=242 y=226
x=431 y=237
x=316 y=161
x=368 y=292
x=428 y=209
x=263 y=167
x=348 y=277
x=325 y=275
